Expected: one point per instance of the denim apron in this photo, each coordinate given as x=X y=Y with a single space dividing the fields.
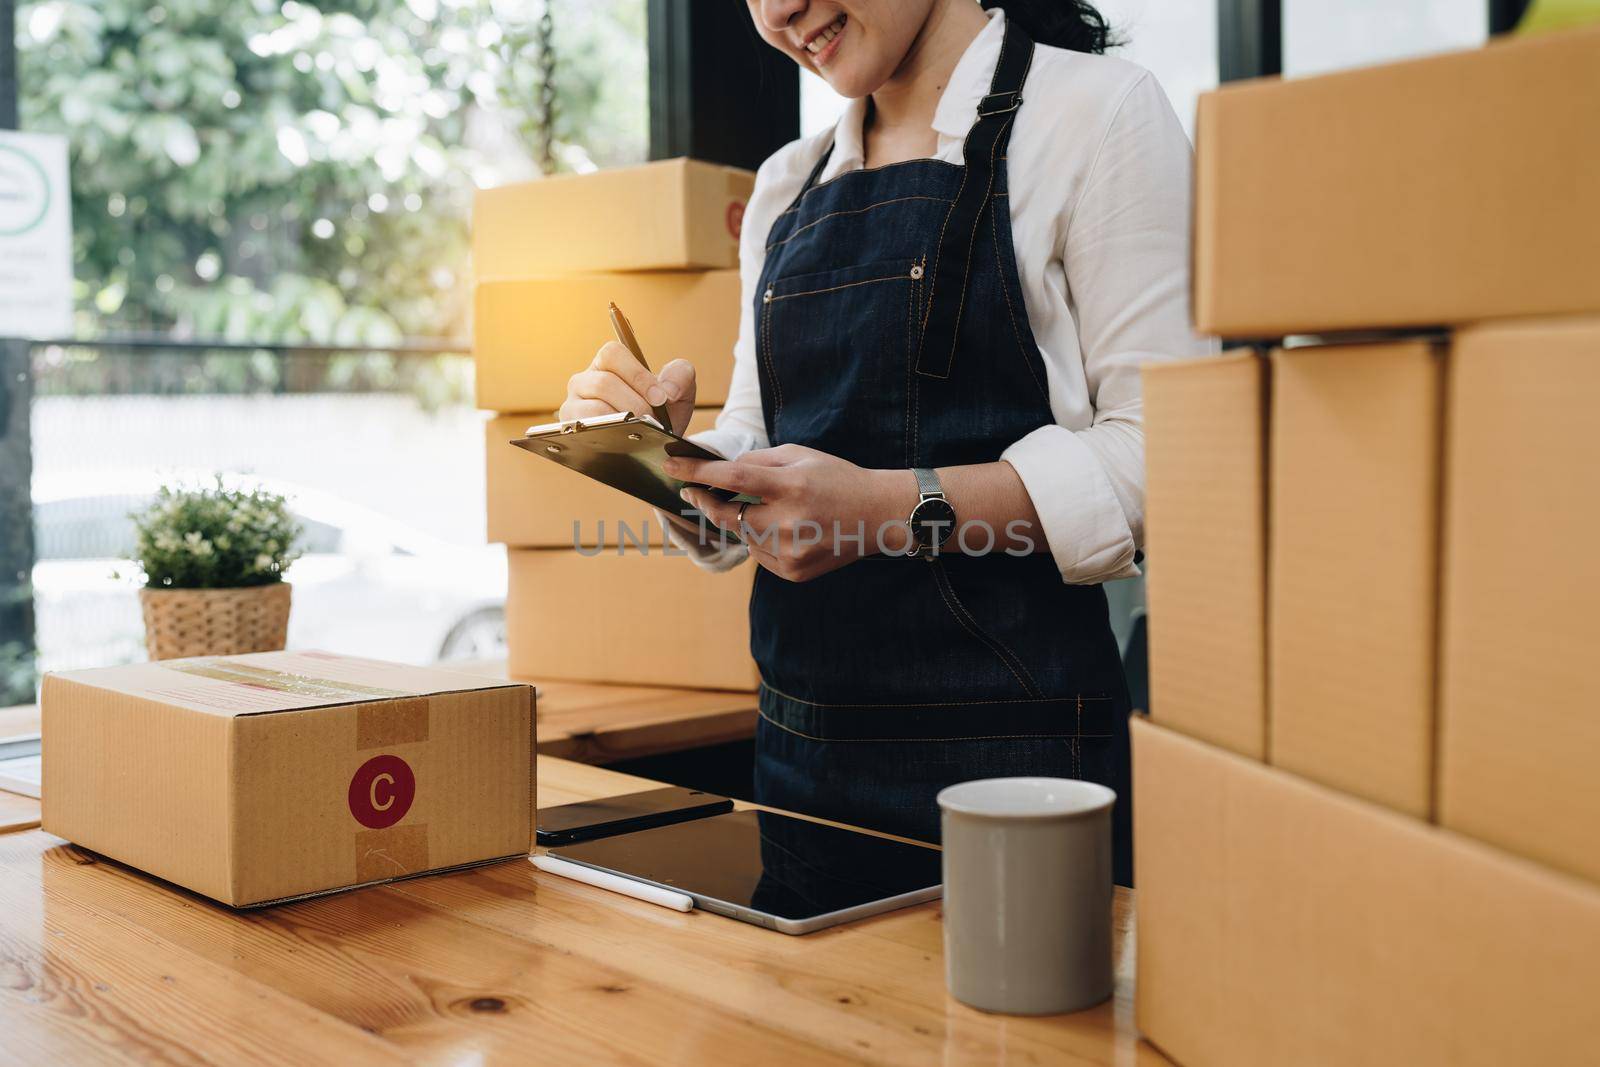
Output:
x=891 y=332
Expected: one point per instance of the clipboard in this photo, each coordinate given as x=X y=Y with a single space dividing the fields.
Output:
x=625 y=451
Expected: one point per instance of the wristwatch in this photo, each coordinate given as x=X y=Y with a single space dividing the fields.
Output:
x=933 y=520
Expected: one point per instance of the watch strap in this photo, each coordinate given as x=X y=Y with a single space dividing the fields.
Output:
x=927 y=482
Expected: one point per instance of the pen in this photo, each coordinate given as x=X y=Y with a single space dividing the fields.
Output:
x=624 y=332
x=617 y=884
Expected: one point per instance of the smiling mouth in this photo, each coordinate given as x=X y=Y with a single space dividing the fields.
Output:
x=822 y=43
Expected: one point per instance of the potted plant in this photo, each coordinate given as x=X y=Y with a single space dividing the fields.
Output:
x=213 y=561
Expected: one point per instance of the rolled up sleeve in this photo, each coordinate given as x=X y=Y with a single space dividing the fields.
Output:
x=1125 y=254
x=1082 y=519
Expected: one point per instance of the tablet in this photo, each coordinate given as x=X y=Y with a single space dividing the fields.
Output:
x=772 y=870
x=625 y=451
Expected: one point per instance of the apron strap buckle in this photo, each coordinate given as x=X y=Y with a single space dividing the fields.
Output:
x=999 y=103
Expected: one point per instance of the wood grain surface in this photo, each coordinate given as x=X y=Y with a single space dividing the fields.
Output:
x=608 y=723
x=502 y=964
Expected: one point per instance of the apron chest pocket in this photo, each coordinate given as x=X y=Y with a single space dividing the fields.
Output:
x=853 y=325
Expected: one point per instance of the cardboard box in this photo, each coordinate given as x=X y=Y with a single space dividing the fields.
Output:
x=530 y=337
x=1284 y=923
x=533 y=503
x=1205 y=530
x=266 y=777
x=673 y=214
x=632 y=617
x=1354 y=573
x=1451 y=189
x=1519 y=707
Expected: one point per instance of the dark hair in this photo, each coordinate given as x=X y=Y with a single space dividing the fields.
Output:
x=1070 y=24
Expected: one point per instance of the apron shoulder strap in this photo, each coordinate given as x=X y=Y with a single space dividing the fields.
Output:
x=981 y=155
x=816 y=171
x=779 y=224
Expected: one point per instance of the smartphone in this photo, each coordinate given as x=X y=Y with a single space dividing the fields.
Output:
x=590 y=820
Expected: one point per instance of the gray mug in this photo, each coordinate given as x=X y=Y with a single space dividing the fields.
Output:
x=1027 y=894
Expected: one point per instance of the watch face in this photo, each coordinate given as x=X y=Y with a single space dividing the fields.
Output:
x=933 y=521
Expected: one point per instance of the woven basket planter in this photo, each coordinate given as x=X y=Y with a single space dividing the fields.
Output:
x=215 y=622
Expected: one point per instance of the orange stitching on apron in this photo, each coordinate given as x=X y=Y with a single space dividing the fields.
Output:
x=913 y=394
x=835 y=288
x=932 y=703
x=1004 y=654
x=965 y=172
x=891 y=740
x=1008 y=649
x=911 y=354
x=966 y=279
x=1077 y=748
x=863 y=170
x=994 y=150
x=1005 y=290
x=854 y=211
x=772 y=369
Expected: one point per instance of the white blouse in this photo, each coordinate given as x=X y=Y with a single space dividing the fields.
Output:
x=1099 y=172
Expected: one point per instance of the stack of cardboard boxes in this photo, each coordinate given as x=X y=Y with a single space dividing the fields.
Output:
x=662 y=242
x=1367 y=800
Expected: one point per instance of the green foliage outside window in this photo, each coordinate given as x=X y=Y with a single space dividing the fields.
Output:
x=290 y=172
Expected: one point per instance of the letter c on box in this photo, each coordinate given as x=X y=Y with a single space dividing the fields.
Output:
x=372 y=792
x=382 y=791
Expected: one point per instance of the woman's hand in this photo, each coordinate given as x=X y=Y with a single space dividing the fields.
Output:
x=817 y=512
x=615 y=381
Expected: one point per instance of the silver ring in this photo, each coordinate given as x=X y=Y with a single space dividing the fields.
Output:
x=740 y=519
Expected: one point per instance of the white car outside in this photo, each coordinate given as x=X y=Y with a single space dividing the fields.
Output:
x=367 y=584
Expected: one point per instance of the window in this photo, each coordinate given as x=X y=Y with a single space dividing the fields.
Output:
x=1176 y=40
x=292 y=178
x=1320 y=36
x=820 y=106
x=282 y=172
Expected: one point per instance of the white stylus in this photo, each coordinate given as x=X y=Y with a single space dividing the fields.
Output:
x=616 y=883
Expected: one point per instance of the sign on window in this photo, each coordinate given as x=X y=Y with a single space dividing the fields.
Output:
x=35 y=236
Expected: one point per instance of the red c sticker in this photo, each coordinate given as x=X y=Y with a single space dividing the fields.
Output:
x=735 y=218
x=382 y=791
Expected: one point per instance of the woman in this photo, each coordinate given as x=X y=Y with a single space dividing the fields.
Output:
x=936 y=400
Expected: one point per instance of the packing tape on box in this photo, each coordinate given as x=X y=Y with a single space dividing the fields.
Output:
x=383 y=789
x=384 y=786
x=382 y=854
x=268 y=680
x=393 y=722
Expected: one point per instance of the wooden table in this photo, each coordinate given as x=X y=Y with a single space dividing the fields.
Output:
x=501 y=964
x=18 y=812
x=607 y=723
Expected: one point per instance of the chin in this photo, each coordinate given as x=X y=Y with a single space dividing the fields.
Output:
x=853 y=83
